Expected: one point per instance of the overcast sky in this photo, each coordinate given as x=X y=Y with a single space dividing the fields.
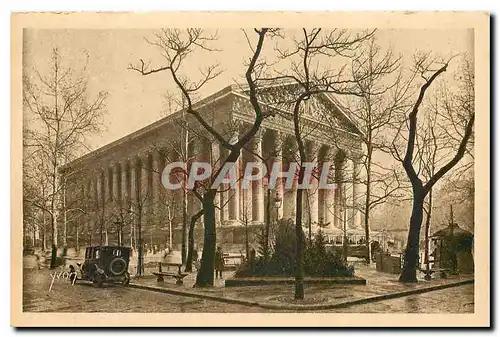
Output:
x=136 y=101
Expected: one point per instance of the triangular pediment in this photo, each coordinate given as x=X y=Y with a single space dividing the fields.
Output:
x=322 y=107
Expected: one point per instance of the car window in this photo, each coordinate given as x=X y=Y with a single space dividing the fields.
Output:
x=117 y=252
x=97 y=253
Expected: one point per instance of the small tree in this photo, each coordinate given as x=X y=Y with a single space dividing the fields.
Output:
x=176 y=46
x=308 y=82
x=61 y=115
x=375 y=75
x=462 y=113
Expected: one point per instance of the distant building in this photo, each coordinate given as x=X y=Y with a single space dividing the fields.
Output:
x=116 y=182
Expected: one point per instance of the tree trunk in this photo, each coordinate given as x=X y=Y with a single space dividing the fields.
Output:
x=299 y=272
x=268 y=225
x=65 y=222
x=54 y=216
x=185 y=233
x=189 y=261
x=131 y=234
x=77 y=247
x=309 y=222
x=426 y=236
x=44 y=233
x=139 y=245
x=367 y=211
x=410 y=265
x=53 y=255
x=345 y=242
x=205 y=276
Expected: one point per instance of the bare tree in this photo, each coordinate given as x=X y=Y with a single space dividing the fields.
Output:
x=310 y=80
x=375 y=75
x=62 y=115
x=176 y=46
x=182 y=152
x=463 y=115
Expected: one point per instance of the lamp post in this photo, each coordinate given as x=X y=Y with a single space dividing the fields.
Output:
x=119 y=224
x=131 y=218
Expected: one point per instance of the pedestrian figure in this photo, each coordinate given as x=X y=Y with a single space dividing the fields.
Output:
x=219 y=262
x=166 y=252
x=251 y=259
x=72 y=274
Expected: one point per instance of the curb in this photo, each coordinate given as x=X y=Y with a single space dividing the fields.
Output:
x=303 y=307
x=365 y=300
x=257 y=281
x=193 y=294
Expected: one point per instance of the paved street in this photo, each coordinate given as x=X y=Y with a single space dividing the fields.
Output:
x=85 y=298
x=452 y=300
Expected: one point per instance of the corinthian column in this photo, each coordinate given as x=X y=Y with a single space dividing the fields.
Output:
x=145 y=190
x=107 y=197
x=342 y=207
x=349 y=191
x=116 y=190
x=134 y=184
x=312 y=192
x=157 y=190
x=290 y=191
x=220 y=213
x=234 y=194
x=94 y=203
x=358 y=191
x=134 y=200
x=125 y=194
x=278 y=158
x=329 y=194
x=99 y=186
x=107 y=200
x=257 y=191
x=100 y=203
x=87 y=207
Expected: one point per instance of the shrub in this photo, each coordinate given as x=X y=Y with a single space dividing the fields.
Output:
x=318 y=261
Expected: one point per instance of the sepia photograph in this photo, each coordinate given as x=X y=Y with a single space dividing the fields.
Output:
x=325 y=167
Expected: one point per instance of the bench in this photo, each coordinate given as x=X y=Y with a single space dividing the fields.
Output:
x=443 y=272
x=178 y=275
x=232 y=260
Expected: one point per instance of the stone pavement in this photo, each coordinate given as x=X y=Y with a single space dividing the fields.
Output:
x=380 y=286
x=83 y=297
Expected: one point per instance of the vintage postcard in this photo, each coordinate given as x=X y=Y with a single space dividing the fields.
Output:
x=261 y=169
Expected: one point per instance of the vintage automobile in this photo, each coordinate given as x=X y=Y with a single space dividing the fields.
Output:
x=106 y=264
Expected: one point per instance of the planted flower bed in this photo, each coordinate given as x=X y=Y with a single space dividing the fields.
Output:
x=277 y=266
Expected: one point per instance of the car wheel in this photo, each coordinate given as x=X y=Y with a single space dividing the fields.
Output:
x=118 y=266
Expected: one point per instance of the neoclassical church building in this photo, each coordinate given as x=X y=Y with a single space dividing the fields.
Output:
x=119 y=186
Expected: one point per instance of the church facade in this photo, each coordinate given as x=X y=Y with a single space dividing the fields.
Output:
x=119 y=186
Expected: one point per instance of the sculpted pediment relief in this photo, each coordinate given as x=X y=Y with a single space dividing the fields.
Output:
x=322 y=108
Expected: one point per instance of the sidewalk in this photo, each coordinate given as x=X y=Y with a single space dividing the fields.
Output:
x=379 y=286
